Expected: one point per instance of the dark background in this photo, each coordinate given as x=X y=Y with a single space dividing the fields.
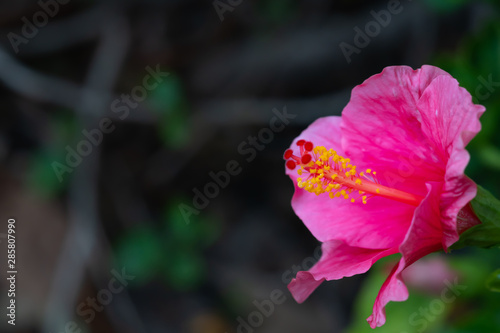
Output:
x=120 y=208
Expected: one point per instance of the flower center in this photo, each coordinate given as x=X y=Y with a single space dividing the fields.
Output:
x=324 y=171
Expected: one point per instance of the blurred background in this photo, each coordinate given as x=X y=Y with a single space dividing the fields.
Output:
x=141 y=145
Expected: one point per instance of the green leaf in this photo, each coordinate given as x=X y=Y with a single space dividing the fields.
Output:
x=185 y=270
x=169 y=101
x=174 y=129
x=490 y=156
x=200 y=233
x=493 y=281
x=141 y=252
x=42 y=177
x=177 y=230
x=46 y=175
x=487 y=234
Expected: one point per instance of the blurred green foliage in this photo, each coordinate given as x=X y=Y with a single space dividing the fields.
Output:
x=445 y=5
x=474 y=64
x=474 y=309
x=487 y=233
x=277 y=12
x=171 y=250
x=493 y=281
x=41 y=177
x=170 y=102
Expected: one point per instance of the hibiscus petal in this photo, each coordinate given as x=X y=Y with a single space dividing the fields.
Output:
x=338 y=260
x=381 y=125
x=450 y=120
x=374 y=225
x=423 y=238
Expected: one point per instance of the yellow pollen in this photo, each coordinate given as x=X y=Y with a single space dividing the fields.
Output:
x=328 y=172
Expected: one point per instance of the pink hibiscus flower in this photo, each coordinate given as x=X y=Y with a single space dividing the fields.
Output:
x=387 y=177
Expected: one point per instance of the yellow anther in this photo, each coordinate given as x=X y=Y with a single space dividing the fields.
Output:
x=329 y=172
